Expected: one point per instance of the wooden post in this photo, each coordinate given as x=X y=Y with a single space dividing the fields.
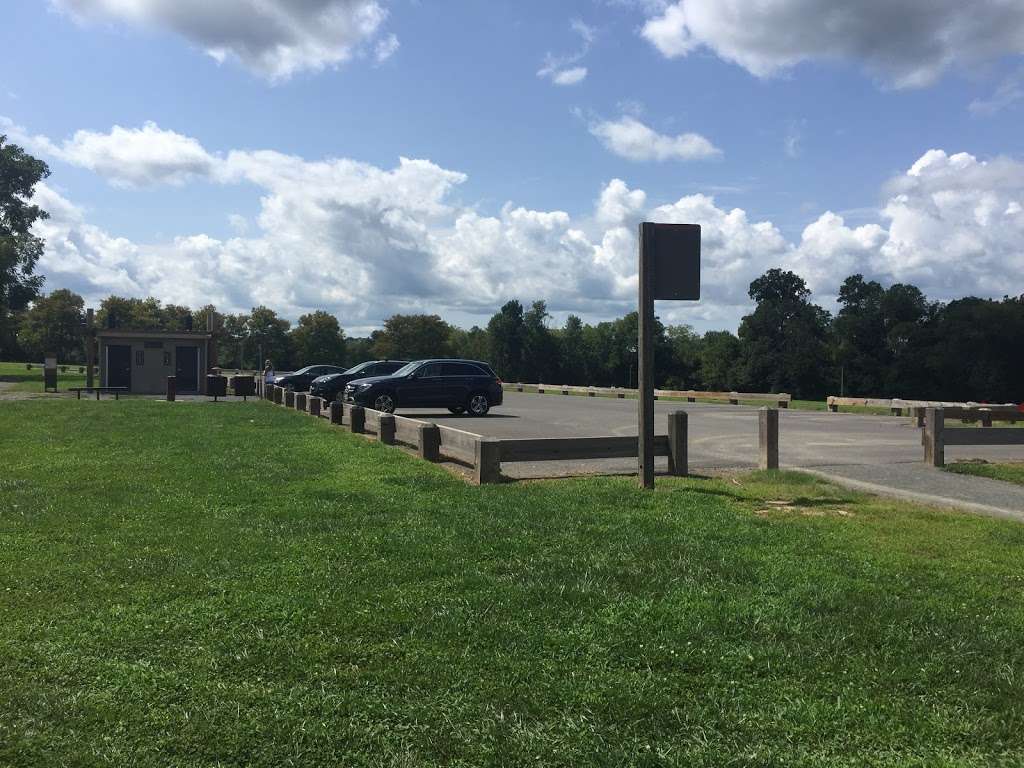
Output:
x=768 y=438
x=289 y=399
x=487 y=461
x=314 y=406
x=336 y=410
x=645 y=361
x=677 y=443
x=934 y=442
x=300 y=401
x=279 y=395
x=90 y=348
x=386 y=428
x=172 y=388
x=833 y=408
x=986 y=417
x=429 y=442
x=358 y=418
x=919 y=413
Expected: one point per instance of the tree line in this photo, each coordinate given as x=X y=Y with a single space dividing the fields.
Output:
x=883 y=341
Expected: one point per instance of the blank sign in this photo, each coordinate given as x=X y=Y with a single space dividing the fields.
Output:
x=673 y=253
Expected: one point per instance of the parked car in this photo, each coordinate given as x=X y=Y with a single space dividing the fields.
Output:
x=299 y=381
x=459 y=385
x=333 y=384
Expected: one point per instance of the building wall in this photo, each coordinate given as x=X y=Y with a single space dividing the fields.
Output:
x=158 y=361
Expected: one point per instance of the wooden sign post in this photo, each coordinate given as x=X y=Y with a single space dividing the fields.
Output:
x=669 y=270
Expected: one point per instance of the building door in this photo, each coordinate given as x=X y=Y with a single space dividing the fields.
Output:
x=186 y=368
x=119 y=366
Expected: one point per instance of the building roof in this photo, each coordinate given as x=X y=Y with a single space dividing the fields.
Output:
x=117 y=333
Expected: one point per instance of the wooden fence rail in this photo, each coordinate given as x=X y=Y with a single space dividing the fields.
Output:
x=781 y=399
x=936 y=437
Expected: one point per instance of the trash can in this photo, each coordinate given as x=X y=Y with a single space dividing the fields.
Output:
x=216 y=386
x=243 y=386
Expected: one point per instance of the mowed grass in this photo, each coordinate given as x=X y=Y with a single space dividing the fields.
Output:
x=1011 y=473
x=15 y=377
x=192 y=584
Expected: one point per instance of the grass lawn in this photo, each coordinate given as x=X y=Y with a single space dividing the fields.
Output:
x=1013 y=473
x=14 y=377
x=193 y=584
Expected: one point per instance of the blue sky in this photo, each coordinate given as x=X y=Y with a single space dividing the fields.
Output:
x=790 y=132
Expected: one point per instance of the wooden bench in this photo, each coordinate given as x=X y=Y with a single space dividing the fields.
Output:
x=116 y=390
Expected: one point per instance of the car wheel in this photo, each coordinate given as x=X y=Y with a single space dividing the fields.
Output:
x=478 y=404
x=384 y=403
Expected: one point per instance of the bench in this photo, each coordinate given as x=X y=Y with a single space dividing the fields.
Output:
x=116 y=390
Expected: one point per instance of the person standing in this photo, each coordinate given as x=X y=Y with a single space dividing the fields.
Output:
x=268 y=376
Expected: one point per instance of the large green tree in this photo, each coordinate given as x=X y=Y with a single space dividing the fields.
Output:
x=268 y=334
x=318 y=339
x=506 y=330
x=860 y=337
x=785 y=338
x=412 y=337
x=54 y=324
x=540 y=348
x=19 y=248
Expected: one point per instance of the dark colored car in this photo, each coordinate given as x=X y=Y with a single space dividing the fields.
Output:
x=300 y=380
x=459 y=385
x=333 y=384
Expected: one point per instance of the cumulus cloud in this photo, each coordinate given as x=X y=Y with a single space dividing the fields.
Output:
x=365 y=242
x=909 y=43
x=629 y=138
x=274 y=38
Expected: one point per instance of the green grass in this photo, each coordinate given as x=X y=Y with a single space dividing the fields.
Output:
x=193 y=584
x=1012 y=473
x=14 y=377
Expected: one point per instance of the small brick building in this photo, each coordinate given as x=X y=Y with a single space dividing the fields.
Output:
x=142 y=360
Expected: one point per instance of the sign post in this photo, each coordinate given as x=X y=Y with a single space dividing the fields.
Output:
x=669 y=269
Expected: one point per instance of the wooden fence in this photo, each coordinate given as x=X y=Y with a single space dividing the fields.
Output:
x=781 y=399
x=900 y=407
x=936 y=436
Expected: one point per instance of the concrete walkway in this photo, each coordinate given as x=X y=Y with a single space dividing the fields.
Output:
x=928 y=485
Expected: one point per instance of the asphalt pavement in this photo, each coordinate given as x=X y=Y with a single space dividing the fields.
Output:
x=883 y=452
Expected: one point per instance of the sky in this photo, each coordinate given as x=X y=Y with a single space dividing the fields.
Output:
x=369 y=157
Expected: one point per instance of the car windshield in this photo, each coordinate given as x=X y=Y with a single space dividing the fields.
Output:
x=301 y=371
x=357 y=368
x=408 y=368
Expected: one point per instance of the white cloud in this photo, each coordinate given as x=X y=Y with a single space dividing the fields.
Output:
x=563 y=70
x=364 y=242
x=569 y=76
x=629 y=138
x=386 y=48
x=274 y=38
x=910 y=43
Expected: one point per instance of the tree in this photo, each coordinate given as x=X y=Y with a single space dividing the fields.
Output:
x=54 y=324
x=719 y=359
x=472 y=344
x=412 y=337
x=358 y=350
x=684 y=369
x=506 y=331
x=318 y=339
x=859 y=332
x=269 y=333
x=540 y=349
x=19 y=248
x=785 y=339
x=574 y=354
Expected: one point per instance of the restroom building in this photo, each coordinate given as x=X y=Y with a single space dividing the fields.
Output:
x=141 y=361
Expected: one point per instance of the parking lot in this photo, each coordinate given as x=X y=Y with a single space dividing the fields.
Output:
x=721 y=436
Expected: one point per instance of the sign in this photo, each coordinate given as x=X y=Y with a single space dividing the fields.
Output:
x=669 y=270
x=674 y=254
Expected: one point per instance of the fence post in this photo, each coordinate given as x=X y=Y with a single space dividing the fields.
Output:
x=289 y=399
x=278 y=395
x=919 y=413
x=934 y=443
x=487 y=461
x=172 y=388
x=430 y=442
x=677 y=443
x=386 y=429
x=300 y=401
x=336 y=410
x=768 y=437
x=314 y=406
x=357 y=416
x=986 y=417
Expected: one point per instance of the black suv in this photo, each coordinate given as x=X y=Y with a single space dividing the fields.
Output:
x=458 y=385
x=332 y=385
x=299 y=381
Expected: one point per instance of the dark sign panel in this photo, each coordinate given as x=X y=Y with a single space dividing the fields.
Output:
x=673 y=253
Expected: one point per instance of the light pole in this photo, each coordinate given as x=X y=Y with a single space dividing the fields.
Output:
x=632 y=358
